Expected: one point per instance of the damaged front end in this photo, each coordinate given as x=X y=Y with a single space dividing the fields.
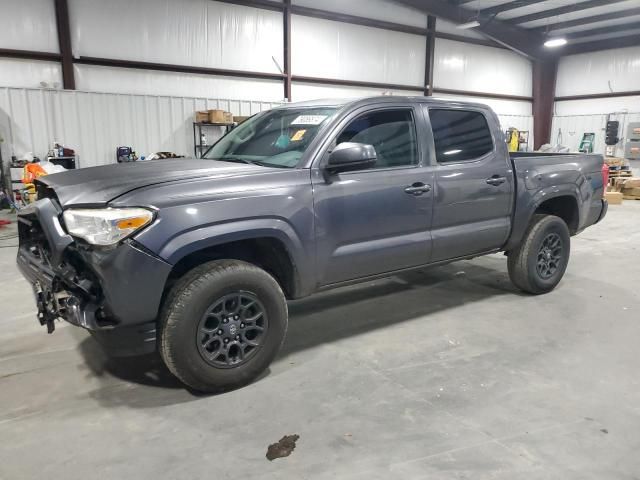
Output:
x=109 y=291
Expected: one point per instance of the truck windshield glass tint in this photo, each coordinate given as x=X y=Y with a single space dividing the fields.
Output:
x=277 y=138
x=391 y=132
x=459 y=135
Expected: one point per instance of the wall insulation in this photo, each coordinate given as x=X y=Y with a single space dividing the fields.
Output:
x=327 y=49
x=28 y=25
x=463 y=66
x=29 y=73
x=199 y=33
x=599 y=72
x=148 y=82
x=94 y=124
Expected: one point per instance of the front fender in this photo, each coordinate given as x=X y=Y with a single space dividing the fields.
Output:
x=209 y=236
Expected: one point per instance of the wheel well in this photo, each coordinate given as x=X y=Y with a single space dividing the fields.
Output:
x=564 y=207
x=270 y=254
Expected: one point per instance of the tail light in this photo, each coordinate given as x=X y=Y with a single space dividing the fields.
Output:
x=605 y=178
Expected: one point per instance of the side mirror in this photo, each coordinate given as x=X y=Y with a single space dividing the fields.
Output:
x=351 y=156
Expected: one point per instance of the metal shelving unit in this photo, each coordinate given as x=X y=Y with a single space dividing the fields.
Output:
x=198 y=147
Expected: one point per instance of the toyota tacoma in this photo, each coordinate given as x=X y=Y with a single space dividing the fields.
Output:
x=196 y=258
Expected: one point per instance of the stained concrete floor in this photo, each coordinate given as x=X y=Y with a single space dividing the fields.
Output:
x=441 y=374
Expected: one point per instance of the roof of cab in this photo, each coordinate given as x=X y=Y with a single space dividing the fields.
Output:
x=343 y=102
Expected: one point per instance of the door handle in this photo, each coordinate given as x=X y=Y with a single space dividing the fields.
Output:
x=496 y=180
x=417 y=189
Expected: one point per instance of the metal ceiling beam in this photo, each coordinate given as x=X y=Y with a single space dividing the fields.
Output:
x=606 y=44
x=619 y=31
x=518 y=39
x=587 y=20
x=29 y=55
x=574 y=7
x=509 y=6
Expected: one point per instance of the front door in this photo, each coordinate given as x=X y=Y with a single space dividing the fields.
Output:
x=376 y=220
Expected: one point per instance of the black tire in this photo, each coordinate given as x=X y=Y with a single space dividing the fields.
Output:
x=523 y=263
x=187 y=306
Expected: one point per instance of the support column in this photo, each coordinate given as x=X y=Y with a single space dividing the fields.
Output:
x=64 y=40
x=544 y=87
x=286 y=13
x=428 y=64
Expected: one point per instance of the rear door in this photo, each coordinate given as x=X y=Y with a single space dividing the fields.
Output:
x=473 y=183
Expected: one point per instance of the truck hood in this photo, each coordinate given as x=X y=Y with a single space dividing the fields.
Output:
x=97 y=186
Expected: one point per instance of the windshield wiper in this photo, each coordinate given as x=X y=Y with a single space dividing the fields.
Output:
x=234 y=159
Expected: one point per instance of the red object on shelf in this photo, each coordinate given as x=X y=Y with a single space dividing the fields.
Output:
x=4 y=222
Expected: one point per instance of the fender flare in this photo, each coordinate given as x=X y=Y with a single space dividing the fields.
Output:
x=191 y=241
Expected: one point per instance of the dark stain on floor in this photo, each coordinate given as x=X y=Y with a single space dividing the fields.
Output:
x=282 y=448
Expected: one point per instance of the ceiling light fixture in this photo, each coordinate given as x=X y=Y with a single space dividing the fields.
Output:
x=555 y=42
x=468 y=25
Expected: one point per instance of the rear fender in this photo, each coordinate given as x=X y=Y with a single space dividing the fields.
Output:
x=527 y=204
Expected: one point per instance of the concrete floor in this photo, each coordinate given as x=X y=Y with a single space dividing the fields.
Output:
x=442 y=374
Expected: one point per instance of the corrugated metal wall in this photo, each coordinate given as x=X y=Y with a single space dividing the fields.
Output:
x=94 y=124
x=568 y=129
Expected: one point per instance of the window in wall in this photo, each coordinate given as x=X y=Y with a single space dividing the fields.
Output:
x=460 y=135
x=391 y=132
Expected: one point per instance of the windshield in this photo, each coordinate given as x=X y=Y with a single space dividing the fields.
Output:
x=277 y=138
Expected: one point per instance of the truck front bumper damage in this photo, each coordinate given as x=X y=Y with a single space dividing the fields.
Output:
x=114 y=293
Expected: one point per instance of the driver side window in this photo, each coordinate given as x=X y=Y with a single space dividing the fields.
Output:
x=391 y=132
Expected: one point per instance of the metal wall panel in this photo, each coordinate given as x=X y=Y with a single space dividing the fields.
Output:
x=94 y=124
x=568 y=129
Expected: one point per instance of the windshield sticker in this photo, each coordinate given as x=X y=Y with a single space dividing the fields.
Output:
x=298 y=135
x=309 y=120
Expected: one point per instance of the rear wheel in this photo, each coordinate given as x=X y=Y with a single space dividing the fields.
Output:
x=540 y=261
x=223 y=324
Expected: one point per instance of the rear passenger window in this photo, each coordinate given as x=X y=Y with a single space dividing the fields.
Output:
x=459 y=135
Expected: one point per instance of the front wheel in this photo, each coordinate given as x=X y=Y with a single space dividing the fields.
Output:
x=222 y=325
x=540 y=261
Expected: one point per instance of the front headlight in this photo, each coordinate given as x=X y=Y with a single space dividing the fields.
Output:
x=106 y=226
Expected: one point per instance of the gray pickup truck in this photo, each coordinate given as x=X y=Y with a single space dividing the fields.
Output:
x=196 y=258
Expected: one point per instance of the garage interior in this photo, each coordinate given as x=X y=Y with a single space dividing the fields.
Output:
x=448 y=372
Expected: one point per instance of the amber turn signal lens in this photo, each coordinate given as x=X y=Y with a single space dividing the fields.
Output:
x=134 y=223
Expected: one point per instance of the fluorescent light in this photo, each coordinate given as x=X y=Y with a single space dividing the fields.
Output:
x=555 y=42
x=471 y=24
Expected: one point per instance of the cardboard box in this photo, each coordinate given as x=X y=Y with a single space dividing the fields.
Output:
x=240 y=118
x=632 y=192
x=614 y=198
x=615 y=161
x=202 y=116
x=220 y=116
x=628 y=182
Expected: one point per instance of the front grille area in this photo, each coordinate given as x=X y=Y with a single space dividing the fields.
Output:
x=32 y=237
